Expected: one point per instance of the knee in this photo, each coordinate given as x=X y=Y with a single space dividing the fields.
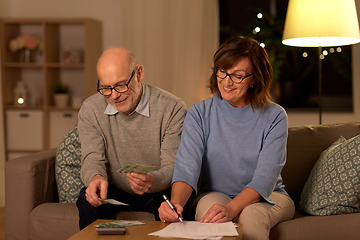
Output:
x=256 y=214
x=203 y=205
x=256 y=222
x=207 y=201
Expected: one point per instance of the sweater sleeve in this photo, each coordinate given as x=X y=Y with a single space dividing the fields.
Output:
x=169 y=145
x=272 y=156
x=93 y=152
x=188 y=160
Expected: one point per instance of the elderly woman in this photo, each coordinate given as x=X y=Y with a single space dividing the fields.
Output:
x=236 y=140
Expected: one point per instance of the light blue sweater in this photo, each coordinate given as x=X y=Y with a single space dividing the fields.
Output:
x=233 y=148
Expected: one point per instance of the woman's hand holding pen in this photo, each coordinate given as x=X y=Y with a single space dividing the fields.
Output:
x=166 y=214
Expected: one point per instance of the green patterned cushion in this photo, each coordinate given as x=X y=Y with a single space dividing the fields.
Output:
x=333 y=186
x=67 y=168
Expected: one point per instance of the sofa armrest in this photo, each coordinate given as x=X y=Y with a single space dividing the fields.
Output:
x=29 y=181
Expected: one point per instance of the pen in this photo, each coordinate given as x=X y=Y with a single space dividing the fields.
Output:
x=171 y=206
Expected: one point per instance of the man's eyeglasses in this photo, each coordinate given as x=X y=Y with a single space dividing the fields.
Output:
x=236 y=78
x=118 y=88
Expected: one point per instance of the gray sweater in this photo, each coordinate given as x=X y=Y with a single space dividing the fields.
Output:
x=109 y=142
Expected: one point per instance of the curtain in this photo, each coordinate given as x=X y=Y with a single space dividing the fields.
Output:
x=174 y=41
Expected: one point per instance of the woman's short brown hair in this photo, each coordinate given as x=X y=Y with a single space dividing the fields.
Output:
x=231 y=52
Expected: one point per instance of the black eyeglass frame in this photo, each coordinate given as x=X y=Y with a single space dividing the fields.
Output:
x=114 y=88
x=230 y=74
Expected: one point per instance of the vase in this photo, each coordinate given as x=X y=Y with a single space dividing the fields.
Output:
x=61 y=99
x=26 y=55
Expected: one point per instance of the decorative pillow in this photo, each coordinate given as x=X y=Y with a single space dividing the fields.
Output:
x=333 y=186
x=67 y=168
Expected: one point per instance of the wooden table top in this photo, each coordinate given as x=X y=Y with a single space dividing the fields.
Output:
x=134 y=232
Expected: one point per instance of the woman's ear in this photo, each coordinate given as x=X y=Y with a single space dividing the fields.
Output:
x=253 y=82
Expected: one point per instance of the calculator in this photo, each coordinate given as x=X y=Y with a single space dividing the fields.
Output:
x=110 y=230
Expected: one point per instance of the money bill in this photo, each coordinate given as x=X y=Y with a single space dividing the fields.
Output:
x=112 y=201
x=135 y=168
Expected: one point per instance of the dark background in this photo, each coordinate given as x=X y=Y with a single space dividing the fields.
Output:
x=295 y=84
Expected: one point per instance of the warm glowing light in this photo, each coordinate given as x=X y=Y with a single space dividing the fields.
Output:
x=325 y=53
x=338 y=49
x=332 y=50
x=20 y=100
x=257 y=29
x=305 y=54
x=312 y=23
x=262 y=45
x=322 y=56
x=259 y=15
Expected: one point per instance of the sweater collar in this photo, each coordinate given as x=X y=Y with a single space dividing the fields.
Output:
x=244 y=114
x=143 y=108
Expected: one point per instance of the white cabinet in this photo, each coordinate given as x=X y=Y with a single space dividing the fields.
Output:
x=61 y=122
x=24 y=130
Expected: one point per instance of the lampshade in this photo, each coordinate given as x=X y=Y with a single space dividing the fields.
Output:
x=314 y=23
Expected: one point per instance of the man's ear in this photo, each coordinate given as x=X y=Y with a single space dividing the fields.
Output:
x=140 y=73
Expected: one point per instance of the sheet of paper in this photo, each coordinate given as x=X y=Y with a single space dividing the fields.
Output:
x=197 y=230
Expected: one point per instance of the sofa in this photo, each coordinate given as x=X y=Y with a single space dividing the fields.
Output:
x=33 y=211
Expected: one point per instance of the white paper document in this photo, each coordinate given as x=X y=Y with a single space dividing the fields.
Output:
x=197 y=230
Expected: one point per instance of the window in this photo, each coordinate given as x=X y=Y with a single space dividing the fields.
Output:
x=295 y=83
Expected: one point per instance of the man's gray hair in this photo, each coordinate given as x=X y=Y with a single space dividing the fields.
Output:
x=132 y=61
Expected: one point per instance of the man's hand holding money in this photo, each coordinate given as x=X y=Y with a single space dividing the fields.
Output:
x=140 y=183
x=139 y=177
x=98 y=186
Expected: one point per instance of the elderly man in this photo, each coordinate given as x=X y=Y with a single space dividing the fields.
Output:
x=127 y=122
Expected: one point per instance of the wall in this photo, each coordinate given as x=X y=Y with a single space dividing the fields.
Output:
x=107 y=11
x=2 y=154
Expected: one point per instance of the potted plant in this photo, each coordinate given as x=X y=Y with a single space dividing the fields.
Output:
x=61 y=96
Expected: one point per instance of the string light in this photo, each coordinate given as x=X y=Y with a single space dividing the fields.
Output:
x=325 y=53
x=262 y=45
x=332 y=50
x=338 y=49
x=305 y=54
x=259 y=15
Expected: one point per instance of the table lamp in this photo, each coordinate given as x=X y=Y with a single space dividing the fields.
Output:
x=321 y=23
